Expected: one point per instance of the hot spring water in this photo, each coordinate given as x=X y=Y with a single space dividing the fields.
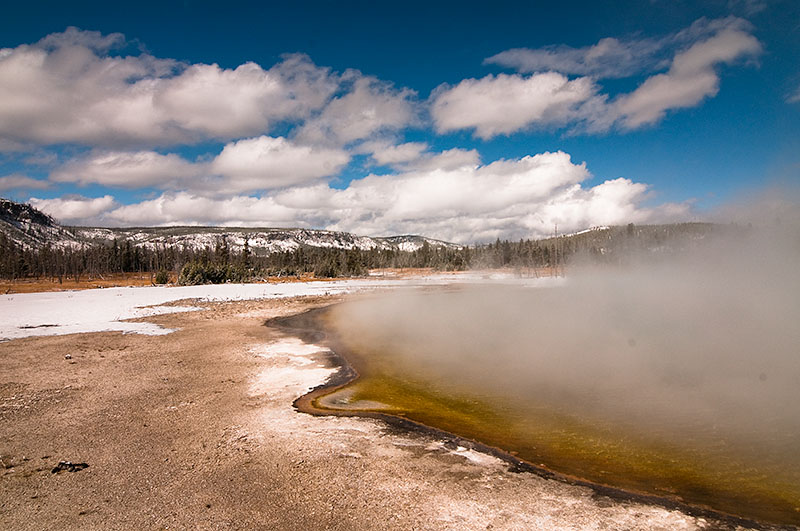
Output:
x=685 y=388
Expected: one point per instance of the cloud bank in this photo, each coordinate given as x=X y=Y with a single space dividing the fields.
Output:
x=452 y=197
x=69 y=88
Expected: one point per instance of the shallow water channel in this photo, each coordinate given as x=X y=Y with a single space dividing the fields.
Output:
x=646 y=403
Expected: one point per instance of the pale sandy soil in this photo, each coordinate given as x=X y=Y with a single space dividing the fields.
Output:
x=196 y=430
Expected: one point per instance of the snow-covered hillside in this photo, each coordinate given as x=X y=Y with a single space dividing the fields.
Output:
x=260 y=241
x=30 y=228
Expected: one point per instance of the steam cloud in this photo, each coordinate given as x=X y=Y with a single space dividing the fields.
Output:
x=704 y=346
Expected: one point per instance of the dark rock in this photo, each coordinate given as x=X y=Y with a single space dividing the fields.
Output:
x=69 y=466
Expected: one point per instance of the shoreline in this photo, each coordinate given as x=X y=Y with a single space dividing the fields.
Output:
x=347 y=374
x=178 y=429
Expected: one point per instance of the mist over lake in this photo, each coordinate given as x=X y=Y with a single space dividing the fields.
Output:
x=694 y=359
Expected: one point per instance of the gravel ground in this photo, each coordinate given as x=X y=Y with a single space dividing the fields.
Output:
x=195 y=430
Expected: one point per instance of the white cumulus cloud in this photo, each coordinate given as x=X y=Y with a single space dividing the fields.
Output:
x=388 y=154
x=446 y=160
x=415 y=155
x=370 y=106
x=267 y=162
x=690 y=78
x=67 y=88
x=503 y=104
x=75 y=209
x=126 y=169
x=608 y=58
x=464 y=202
x=247 y=165
x=17 y=181
x=183 y=208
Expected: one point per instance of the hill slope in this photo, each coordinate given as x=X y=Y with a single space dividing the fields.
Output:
x=261 y=241
x=30 y=228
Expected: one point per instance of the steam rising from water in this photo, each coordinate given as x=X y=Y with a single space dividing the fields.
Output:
x=700 y=349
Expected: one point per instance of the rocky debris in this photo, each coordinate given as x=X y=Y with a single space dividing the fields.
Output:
x=69 y=466
x=7 y=461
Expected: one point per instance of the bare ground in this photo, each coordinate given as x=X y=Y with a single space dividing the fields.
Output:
x=195 y=430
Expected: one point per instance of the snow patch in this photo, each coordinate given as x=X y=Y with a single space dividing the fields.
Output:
x=290 y=347
x=103 y=310
x=289 y=368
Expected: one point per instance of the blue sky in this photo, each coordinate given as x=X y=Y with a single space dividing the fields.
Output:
x=454 y=120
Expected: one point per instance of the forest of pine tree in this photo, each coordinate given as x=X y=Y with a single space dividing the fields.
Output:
x=217 y=264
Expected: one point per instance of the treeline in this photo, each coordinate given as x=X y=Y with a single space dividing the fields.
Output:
x=213 y=264
x=219 y=263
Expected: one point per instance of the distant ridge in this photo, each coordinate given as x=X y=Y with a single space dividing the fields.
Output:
x=32 y=229
x=261 y=241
